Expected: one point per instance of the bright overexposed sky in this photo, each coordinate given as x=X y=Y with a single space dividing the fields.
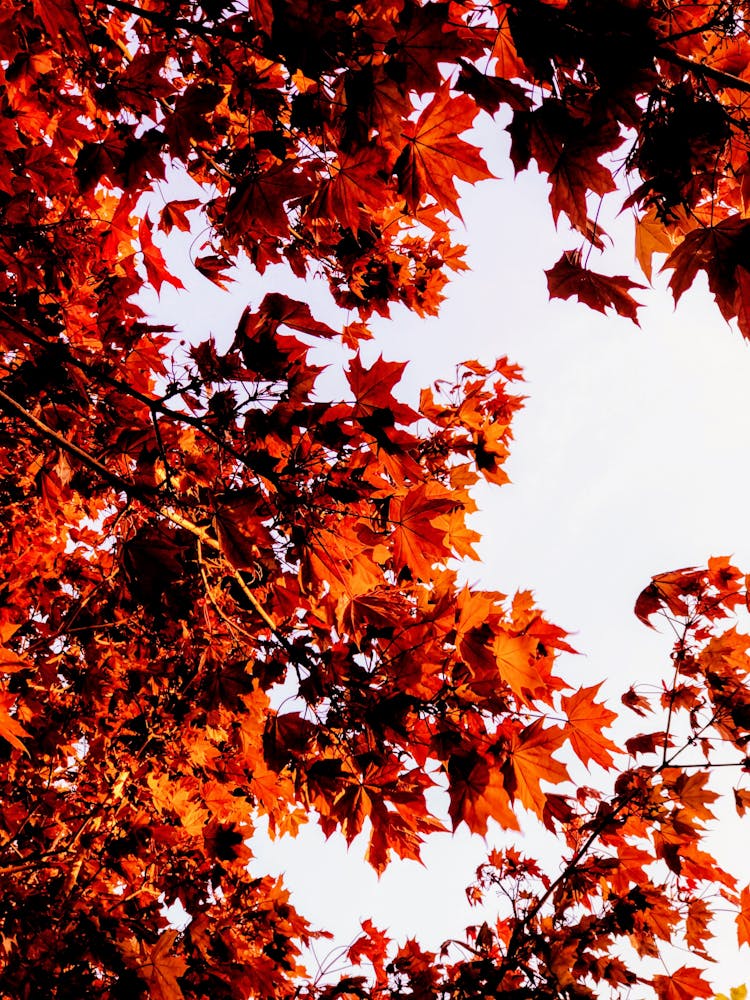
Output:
x=630 y=459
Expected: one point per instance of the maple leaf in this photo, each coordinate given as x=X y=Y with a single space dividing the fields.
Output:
x=668 y=590
x=423 y=41
x=373 y=945
x=475 y=609
x=161 y=968
x=435 y=157
x=417 y=543
x=237 y=530
x=742 y=301
x=383 y=608
x=174 y=215
x=601 y=292
x=258 y=205
x=398 y=834
x=515 y=656
x=11 y=729
x=690 y=790
x=491 y=450
x=355 y=186
x=697 y=925
x=11 y=662
x=530 y=758
x=719 y=251
x=652 y=236
x=743 y=917
x=509 y=64
x=372 y=390
x=741 y=800
x=645 y=743
x=686 y=983
x=214 y=267
x=490 y=92
x=648 y=603
x=179 y=797
x=477 y=794
x=62 y=21
x=277 y=310
x=568 y=152
x=636 y=702
x=156 y=267
x=586 y=721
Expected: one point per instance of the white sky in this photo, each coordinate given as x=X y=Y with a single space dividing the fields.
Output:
x=630 y=459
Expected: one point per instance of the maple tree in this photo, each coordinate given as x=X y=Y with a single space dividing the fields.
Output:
x=228 y=602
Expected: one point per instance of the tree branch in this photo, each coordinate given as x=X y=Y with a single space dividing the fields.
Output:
x=12 y=405
x=172 y=23
x=8 y=403
x=718 y=75
x=154 y=403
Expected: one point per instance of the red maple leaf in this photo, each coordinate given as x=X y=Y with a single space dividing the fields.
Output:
x=372 y=388
x=153 y=260
x=435 y=156
x=173 y=215
x=599 y=291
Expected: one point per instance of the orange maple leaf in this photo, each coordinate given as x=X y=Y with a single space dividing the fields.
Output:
x=690 y=790
x=161 y=969
x=652 y=235
x=509 y=65
x=417 y=543
x=741 y=801
x=696 y=925
x=475 y=609
x=685 y=984
x=10 y=728
x=382 y=607
x=477 y=794
x=668 y=590
x=516 y=663
x=586 y=720
x=532 y=762
x=743 y=917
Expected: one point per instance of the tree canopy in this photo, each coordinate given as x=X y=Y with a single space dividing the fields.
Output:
x=227 y=601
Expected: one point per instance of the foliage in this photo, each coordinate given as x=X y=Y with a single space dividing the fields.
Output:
x=185 y=540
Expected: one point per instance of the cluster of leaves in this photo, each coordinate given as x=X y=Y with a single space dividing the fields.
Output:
x=330 y=136
x=634 y=867
x=225 y=600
